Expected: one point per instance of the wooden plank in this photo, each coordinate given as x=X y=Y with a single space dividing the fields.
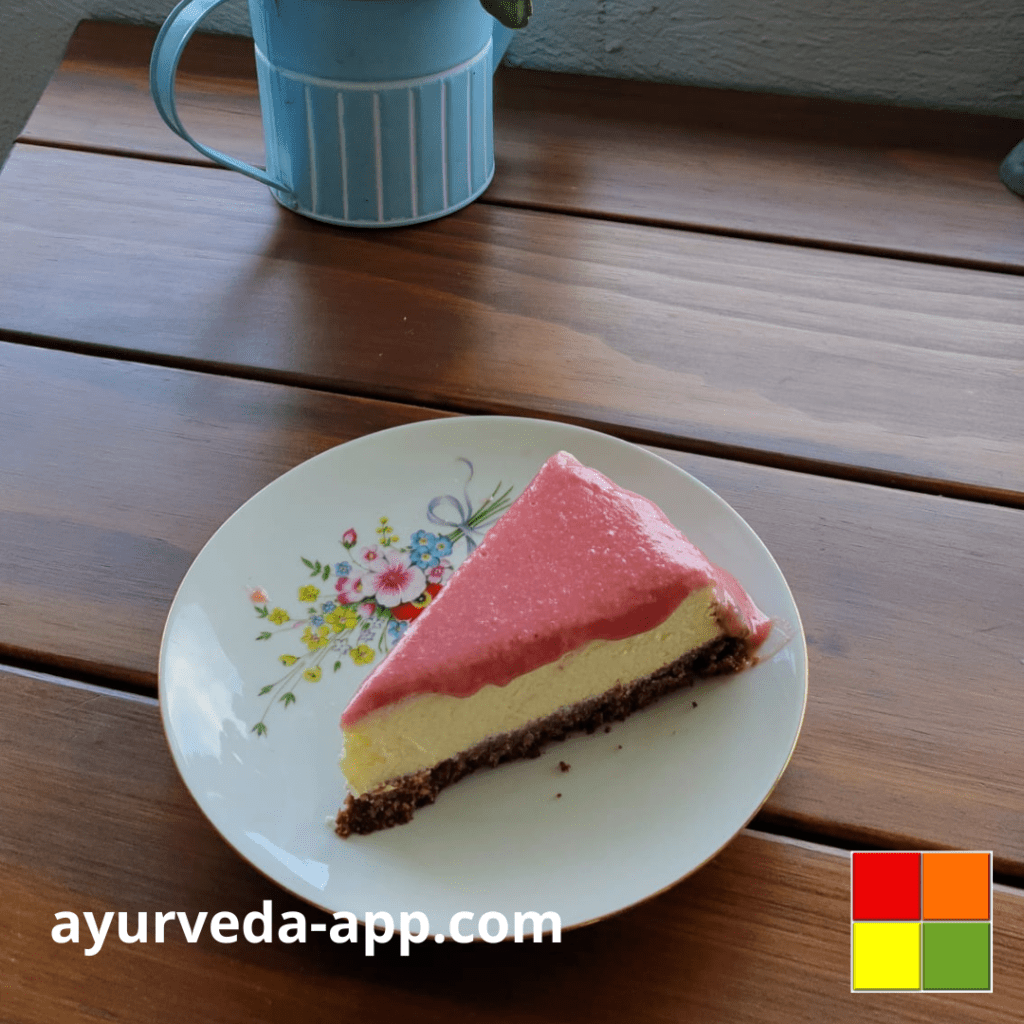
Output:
x=850 y=365
x=906 y=183
x=113 y=475
x=96 y=819
x=911 y=182
x=99 y=96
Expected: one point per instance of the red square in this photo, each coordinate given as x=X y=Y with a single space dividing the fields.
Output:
x=886 y=886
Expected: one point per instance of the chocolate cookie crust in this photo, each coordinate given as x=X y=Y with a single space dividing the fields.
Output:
x=394 y=803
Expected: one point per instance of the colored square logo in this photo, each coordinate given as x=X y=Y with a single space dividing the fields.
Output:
x=921 y=922
x=956 y=886
x=887 y=886
x=957 y=956
x=887 y=955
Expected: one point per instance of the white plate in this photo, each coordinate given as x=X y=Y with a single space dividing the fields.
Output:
x=642 y=807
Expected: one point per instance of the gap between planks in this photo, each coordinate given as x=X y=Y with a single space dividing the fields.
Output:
x=941 y=488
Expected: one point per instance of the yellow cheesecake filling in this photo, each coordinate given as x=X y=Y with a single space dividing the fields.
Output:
x=425 y=729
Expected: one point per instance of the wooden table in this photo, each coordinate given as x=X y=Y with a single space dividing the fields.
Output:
x=817 y=309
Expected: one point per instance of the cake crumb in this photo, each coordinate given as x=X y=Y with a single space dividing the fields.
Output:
x=607 y=728
x=619 y=746
x=565 y=767
x=558 y=796
x=694 y=703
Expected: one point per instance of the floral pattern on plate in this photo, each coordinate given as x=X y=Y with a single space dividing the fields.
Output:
x=357 y=608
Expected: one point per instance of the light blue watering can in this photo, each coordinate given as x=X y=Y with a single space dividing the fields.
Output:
x=376 y=113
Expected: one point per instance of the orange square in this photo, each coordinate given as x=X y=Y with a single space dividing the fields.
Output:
x=956 y=886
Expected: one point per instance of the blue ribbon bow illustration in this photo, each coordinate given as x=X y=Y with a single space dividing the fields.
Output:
x=464 y=515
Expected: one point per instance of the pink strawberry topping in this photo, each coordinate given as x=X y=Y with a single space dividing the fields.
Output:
x=575 y=558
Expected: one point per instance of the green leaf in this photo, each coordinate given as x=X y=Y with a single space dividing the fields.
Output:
x=263 y=636
x=260 y=729
x=266 y=689
x=288 y=698
x=263 y=612
x=307 y=563
x=511 y=13
x=337 y=665
x=326 y=572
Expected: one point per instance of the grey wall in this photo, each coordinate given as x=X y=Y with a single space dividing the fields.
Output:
x=949 y=54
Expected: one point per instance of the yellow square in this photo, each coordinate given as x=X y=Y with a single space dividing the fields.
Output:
x=886 y=955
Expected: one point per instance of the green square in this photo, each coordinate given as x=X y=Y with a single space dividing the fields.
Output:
x=957 y=955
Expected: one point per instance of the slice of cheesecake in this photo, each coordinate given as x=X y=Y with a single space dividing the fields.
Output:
x=582 y=604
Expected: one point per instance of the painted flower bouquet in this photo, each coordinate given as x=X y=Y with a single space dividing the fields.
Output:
x=357 y=609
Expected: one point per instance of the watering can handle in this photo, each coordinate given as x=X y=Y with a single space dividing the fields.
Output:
x=167 y=51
